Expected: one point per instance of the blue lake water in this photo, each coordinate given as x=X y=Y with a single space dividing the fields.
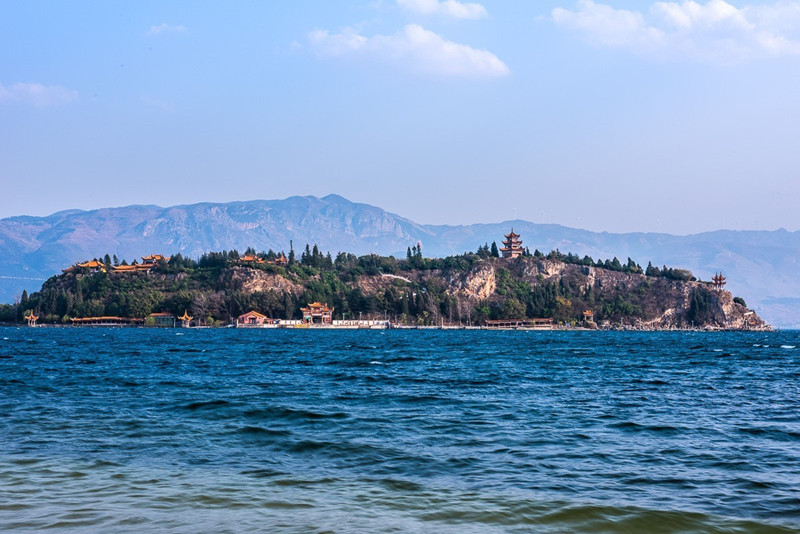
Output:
x=136 y=430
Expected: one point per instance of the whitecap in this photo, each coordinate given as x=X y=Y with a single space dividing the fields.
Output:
x=788 y=346
x=375 y=362
x=5 y=339
x=717 y=350
x=179 y=334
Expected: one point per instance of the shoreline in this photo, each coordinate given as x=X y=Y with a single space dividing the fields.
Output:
x=398 y=327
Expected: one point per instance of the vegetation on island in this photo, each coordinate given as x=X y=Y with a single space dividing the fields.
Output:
x=219 y=286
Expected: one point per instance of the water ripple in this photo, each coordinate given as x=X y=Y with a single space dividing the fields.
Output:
x=425 y=431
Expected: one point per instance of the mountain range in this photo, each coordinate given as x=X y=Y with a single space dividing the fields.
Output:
x=761 y=266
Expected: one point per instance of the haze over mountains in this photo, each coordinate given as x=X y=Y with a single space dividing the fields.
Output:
x=761 y=266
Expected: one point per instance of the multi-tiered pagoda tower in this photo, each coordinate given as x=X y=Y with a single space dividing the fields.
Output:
x=513 y=245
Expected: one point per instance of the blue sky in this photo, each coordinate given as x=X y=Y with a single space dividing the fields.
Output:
x=676 y=117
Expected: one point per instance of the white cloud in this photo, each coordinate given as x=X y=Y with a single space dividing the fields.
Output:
x=166 y=28
x=36 y=94
x=448 y=8
x=714 y=31
x=413 y=48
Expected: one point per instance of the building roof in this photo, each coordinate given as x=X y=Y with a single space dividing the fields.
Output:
x=317 y=306
x=252 y=258
x=106 y=318
x=162 y=314
x=253 y=313
x=185 y=316
x=91 y=264
x=154 y=257
x=131 y=268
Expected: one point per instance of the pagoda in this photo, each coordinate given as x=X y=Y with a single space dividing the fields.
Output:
x=513 y=245
x=719 y=282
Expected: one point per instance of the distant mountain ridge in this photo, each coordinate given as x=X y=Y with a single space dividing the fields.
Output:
x=761 y=266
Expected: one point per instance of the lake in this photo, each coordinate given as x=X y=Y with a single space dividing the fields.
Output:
x=238 y=430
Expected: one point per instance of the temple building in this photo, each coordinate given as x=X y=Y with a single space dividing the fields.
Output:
x=31 y=318
x=251 y=318
x=719 y=282
x=282 y=260
x=252 y=259
x=317 y=313
x=152 y=259
x=148 y=262
x=513 y=245
x=94 y=266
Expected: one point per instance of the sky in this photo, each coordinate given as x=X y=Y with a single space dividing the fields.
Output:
x=620 y=116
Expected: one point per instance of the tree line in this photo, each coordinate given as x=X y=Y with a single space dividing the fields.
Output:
x=209 y=289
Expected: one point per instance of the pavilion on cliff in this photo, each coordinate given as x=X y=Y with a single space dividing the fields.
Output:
x=282 y=260
x=719 y=282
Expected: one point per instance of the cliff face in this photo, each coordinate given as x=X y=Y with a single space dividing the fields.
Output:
x=616 y=297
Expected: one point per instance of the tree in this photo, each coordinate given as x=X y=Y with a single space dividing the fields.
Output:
x=512 y=309
x=495 y=252
x=200 y=307
x=699 y=308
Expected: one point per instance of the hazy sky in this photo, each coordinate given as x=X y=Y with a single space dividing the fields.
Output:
x=621 y=116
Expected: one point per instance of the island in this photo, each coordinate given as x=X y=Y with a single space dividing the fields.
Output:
x=492 y=287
